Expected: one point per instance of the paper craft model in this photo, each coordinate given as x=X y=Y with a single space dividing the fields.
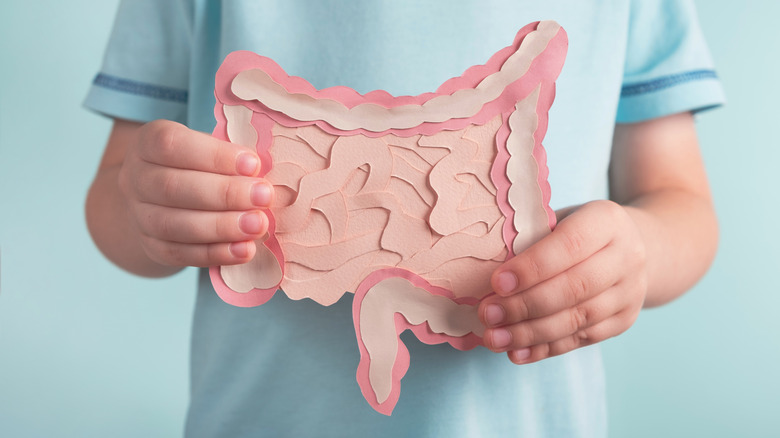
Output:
x=408 y=202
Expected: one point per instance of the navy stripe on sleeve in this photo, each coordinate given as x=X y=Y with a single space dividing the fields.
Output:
x=140 y=88
x=666 y=82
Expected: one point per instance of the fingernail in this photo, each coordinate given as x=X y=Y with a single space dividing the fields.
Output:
x=500 y=338
x=246 y=164
x=494 y=314
x=506 y=282
x=239 y=249
x=261 y=195
x=251 y=223
x=521 y=355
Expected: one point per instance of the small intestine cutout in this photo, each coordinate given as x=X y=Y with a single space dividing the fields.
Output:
x=407 y=202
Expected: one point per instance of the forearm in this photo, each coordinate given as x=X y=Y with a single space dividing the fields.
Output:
x=680 y=234
x=658 y=174
x=109 y=224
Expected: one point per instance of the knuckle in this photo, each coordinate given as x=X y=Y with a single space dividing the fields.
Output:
x=170 y=188
x=573 y=242
x=523 y=336
x=128 y=180
x=532 y=266
x=576 y=289
x=233 y=193
x=223 y=158
x=164 y=227
x=160 y=137
x=144 y=222
x=524 y=306
x=638 y=252
x=582 y=338
x=159 y=133
x=579 y=318
x=175 y=255
x=557 y=348
x=156 y=250
x=214 y=255
x=570 y=343
x=518 y=307
x=221 y=229
x=216 y=161
x=227 y=194
x=563 y=346
x=611 y=209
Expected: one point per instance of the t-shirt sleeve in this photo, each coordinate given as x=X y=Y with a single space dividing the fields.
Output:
x=668 y=66
x=145 y=70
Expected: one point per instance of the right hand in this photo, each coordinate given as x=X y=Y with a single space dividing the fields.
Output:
x=194 y=199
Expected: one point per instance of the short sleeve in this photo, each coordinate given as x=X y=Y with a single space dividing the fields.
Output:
x=668 y=66
x=145 y=71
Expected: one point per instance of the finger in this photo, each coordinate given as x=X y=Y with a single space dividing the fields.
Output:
x=199 y=255
x=193 y=190
x=577 y=237
x=565 y=290
x=556 y=326
x=170 y=144
x=191 y=226
x=602 y=331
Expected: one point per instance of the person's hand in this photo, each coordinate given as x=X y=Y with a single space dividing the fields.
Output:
x=581 y=284
x=195 y=200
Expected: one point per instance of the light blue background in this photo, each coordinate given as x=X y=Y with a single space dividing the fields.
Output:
x=87 y=350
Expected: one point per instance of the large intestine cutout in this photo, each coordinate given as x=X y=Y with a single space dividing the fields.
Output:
x=408 y=202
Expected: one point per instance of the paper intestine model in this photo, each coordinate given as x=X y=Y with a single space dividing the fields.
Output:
x=408 y=202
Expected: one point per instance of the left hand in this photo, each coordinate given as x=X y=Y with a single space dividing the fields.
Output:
x=583 y=283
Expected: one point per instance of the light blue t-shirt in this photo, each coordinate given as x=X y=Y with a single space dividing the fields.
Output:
x=288 y=368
